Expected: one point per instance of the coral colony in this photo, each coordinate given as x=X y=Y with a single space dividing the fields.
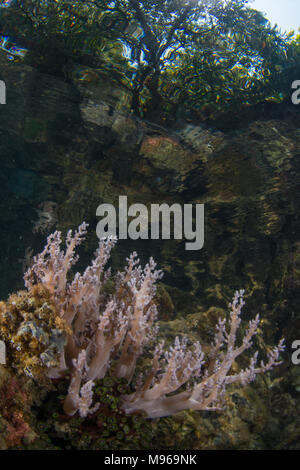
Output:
x=59 y=327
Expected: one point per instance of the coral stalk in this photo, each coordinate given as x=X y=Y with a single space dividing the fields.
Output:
x=109 y=334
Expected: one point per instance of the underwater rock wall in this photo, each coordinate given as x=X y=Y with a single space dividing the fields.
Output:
x=68 y=147
x=76 y=146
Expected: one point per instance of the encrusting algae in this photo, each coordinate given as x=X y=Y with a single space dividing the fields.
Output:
x=33 y=331
x=15 y=406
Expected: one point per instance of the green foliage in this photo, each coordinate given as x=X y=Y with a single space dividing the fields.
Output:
x=234 y=63
x=59 y=33
x=205 y=56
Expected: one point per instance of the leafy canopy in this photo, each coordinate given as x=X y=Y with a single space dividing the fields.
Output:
x=203 y=56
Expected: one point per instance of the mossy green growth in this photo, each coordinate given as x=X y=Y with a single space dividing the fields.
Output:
x=108 y=428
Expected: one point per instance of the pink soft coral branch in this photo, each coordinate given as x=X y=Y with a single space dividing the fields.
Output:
x=119 y=327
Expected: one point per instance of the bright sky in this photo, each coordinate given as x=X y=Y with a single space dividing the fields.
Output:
x=286 y=13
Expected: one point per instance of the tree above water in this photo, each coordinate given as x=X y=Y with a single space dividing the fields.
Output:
x=203 y=55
